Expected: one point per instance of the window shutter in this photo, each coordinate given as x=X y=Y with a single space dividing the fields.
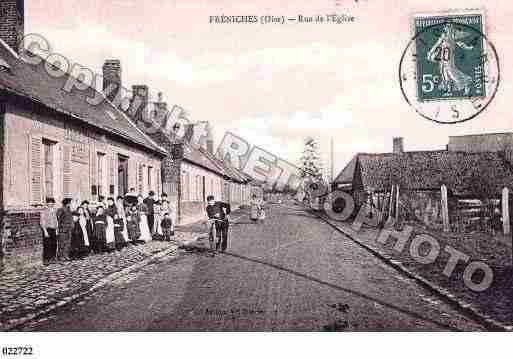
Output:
x=94 y=171
x=140 y=179
x=113 y=172
x=66 y=171
x=36 y=169
x=159 y=180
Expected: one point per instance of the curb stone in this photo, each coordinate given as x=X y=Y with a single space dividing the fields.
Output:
x=17 y=323
x=463 y=305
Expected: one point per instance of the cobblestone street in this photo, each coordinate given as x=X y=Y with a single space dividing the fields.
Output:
x=23 y=294
x=293 y=272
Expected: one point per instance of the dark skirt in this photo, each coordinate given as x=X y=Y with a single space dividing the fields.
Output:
x=78 y=249
x=100 y=236
x=133 y=230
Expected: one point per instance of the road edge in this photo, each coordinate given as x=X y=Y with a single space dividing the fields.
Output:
x=484 y=319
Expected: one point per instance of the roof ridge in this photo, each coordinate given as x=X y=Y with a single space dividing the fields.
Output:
x=74 y=104
x=484 y=134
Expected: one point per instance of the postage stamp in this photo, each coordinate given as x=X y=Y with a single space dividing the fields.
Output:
x=449 y=71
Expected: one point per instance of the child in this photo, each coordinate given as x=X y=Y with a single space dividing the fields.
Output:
x=119 y=227
x=157 y=218
x=77 y=239
x=132 y=223
x=168 y=229
x=100 y=233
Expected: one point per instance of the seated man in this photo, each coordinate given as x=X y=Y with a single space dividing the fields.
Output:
x=219 y=210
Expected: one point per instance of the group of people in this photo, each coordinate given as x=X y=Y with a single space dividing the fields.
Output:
x=74 y=230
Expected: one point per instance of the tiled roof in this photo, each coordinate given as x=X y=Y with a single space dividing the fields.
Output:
x=34 y=82
x=192 y=155
x=196 y=156
x=231 y=172
x=428 y=170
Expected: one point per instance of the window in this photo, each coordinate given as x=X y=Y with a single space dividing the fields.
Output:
x=150 y=179
x=199 y=191
x=48 y=169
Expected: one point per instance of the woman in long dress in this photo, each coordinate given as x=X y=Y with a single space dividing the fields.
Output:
x=255 y=207
x=142 y=209
x=111 y=213
x=77 y=247
x=122 y=214
x=100 y=233
x=85 y=222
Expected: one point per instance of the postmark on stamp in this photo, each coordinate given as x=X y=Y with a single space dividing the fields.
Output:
x=449 y=72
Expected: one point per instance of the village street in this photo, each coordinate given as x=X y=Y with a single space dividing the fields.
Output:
x=292 y=273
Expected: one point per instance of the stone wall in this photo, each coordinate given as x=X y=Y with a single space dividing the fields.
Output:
x=22 y=240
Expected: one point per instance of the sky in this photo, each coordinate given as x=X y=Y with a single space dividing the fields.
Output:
x=276 y=84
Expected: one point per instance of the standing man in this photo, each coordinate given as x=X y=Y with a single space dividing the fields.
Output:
x=150 y=202
x=219 y=210
x=65 y=219
x=131 y=198
x=49 y=225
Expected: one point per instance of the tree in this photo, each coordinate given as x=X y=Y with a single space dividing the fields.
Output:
x=311 y=165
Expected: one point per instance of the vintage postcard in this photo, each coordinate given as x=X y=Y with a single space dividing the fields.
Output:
x=246 y=166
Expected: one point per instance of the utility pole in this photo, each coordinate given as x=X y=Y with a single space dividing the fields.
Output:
x=332 y=178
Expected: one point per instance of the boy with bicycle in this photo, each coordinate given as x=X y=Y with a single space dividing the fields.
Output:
x=220 y=212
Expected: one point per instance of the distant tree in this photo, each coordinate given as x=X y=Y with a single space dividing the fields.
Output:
x=311 y=165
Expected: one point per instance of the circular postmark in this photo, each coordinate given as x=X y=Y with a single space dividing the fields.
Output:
x=449 y=72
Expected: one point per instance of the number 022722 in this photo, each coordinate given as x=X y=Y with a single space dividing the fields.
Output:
x=17 y=351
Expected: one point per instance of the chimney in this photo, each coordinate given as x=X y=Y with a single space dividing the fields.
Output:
x=210 y=146
x=398 y=145
x=111 y=78
x=161 y=104
x=139 y=103
x=12 y=13
x=161 y=112
x=210 y=139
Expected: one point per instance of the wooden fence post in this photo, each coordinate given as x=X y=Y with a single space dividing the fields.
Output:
x=397 y=204
x=391 y=202
x=505 y=211
x=445 y=208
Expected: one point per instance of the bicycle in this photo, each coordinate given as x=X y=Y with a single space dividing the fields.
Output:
x=213 y=238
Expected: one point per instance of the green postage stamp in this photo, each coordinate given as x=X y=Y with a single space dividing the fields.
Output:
x=449 y=71
x=449 y=57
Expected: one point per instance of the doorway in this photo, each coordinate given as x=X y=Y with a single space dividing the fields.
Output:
x=122 y=175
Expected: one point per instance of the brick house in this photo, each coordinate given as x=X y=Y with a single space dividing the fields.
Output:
x=191 y=171
x=55 y=144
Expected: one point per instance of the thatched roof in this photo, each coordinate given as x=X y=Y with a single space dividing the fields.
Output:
x=461 y=172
